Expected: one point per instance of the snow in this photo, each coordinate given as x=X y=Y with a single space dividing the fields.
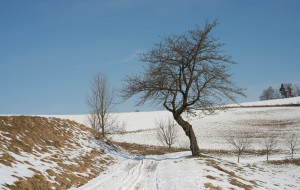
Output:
x=179 y=170
x=284 y=101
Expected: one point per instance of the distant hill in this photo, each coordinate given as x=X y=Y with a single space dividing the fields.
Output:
x=295 y=101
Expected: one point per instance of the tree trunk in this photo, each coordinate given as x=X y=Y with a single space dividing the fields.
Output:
x=188 y=129
x=102 y=125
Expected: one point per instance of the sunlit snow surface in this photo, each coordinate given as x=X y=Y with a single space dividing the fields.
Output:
x=213 y=131
x=178 y=171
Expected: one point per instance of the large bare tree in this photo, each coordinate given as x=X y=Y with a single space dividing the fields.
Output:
x=183 y=73
x=100 y=101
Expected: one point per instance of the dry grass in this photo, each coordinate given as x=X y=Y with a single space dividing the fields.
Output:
x=295 y=161
x=142 y=150
x=7 y=159
x=37 y=181
x=231 y=152
x=237 y=183
x=211 y=177
x=234 y=178
x=211 y=186
x=38 y=135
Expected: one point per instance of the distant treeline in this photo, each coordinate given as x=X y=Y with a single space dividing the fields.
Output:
x=286 y=90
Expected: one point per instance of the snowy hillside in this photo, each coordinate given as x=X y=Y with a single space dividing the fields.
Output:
x=213 y=131
x=276 y=102
x=179 y=171
x=48 y=153
x=217 y=168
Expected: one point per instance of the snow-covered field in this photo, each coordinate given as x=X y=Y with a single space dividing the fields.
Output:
x=212 y=170
x=213 y=131
x=178 y=171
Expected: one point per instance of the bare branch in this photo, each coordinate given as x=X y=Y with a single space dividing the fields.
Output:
x=240 y=142
x=269 y=143
x=183 y=73
x=100 y=101
x=293 y=143
x=166 y=132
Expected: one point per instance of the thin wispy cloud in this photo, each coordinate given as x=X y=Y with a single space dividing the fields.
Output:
x=128 y=59
x=133 y=56
x=84 y=65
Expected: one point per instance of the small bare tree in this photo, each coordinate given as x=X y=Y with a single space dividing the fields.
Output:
x=115 y=126
x=100 y=101
x=166 y=132
x=240 y=142
x=293 y=143
x=92 y=121
x=269 y=144
x=267 y=94
x=296 y=90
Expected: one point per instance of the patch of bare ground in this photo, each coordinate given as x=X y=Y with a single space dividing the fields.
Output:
x=38 y=181
x=137 y=131
x=237 y=183
x=214 y=164
x=72 y=163
x=142 y=150
x=211 y=186
x=211 y=177
x=268 y=123
x=230 y=152
x=234 y=178
x=295 y=161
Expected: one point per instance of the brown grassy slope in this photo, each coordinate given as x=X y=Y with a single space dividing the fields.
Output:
x=62 y=146
x=142 y=150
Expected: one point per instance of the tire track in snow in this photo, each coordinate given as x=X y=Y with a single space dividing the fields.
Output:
x=132 y=174
x=142 y=175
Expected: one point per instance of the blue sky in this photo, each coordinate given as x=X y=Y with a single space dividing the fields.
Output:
x=49 y=50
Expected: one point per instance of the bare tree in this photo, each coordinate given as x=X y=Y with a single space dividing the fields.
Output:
x=183 y=73
x=100 y=101
x=240 y=142
x=93 y=121
x=166 y=132
x=296 y=90
x=114 y=126
x=288 y=88
x=267 y=94
x=269 y=144
x=276 y=94
x=293 y=143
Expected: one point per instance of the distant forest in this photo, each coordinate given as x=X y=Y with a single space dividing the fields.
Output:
x=286 y=90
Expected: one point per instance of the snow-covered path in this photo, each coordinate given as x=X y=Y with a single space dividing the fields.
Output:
x=130 y=174
x=179 y=171
x=137 y=173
